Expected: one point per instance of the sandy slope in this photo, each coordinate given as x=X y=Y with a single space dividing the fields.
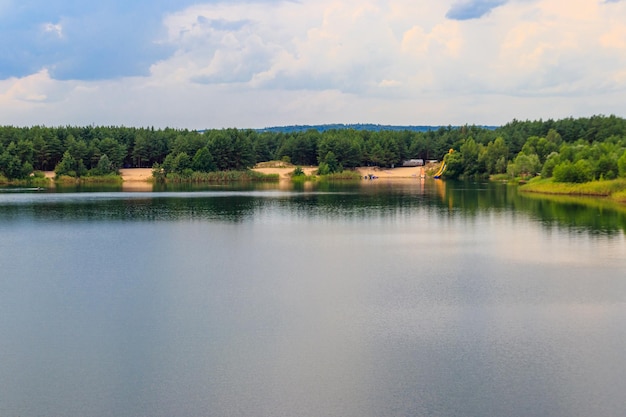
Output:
x=402 y=172
x=136 y=174
x=145 y=174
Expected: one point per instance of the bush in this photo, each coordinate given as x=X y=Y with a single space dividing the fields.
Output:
x=581 y=171
x=323 y=169
x=621 y=165
x=525 y=166
x=188 y=176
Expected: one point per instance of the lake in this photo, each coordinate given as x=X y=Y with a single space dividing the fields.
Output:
x=406 y=298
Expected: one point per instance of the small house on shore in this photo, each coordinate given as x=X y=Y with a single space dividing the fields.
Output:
x=413 y=163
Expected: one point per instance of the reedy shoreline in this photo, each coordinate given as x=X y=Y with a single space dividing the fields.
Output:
x=611 y=189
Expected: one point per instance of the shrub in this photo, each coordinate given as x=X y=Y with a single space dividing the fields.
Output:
x=621 y=165
x=581 y=171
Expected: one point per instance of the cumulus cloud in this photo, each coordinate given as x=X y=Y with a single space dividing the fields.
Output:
x=276 y=62
x=352 y=46
x=35 y=88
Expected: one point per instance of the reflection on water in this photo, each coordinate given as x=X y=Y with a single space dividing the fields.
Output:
x=380 y=198
x=370 y=299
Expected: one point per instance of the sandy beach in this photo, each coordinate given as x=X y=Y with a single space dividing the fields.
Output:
x=142 y=175
x=402 y=172
x=136 y=174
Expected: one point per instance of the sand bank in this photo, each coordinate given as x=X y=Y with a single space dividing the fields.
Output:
x=401 y=172
x=145 y=174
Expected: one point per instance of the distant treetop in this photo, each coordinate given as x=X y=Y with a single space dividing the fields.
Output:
x=358 y=126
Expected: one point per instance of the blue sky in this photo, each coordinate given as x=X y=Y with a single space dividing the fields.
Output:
x=212 y=64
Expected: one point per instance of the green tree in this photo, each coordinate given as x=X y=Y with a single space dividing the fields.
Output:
x=524 y=166
x=454 y=165
x=621 y=164
x=470 y=152
x=182 y=163
x=141 y=154
x=331 y=163
x=203 y=161
x=541 y=147
x=346 y=146
x=606 y=167
x=105 y=166
x=12 y=167
x=494 y=156
x=70 y=166
x=115 y=151
x=551 y=162
x=578 y=172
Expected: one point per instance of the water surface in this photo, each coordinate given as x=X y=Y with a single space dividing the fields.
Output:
x=374 y=299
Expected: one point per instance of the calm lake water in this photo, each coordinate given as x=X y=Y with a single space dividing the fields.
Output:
x=412 y=299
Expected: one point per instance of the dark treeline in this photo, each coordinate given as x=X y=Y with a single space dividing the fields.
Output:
x=479 y=150
x=359 y=126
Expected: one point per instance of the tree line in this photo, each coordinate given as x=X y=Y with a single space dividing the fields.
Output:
x=519 y=148
x=568 y=150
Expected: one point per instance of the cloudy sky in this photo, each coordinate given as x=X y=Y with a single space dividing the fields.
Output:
x=244 y=63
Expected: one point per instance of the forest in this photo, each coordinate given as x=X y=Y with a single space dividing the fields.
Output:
x=567 y=150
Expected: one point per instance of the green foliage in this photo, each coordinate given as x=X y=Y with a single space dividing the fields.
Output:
x=217 y=177
x=548 y=167
x=524 y=166
x=346 y=175
x=115 y=152
x=231 y=150
x=104 y=167
x=323 y=169
x=614 y=188
x=384 y=150
x=606 y=167
x=300 y=148
x=345 y=146
x=10 y=166
x=182 y=162
x=70 y=166
x=494 y=157
x=331 y=163
x=177 y=163
x=203 y=161
x=600 y=140
x=471 y=163
x=454 y=165
x=158 y=172
x=621 y=164
x=578 y=172
x=298 y=172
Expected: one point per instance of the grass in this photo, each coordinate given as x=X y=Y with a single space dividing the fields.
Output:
x=342 y=176
x=303 y=178
x=222 y=177
x=33 y=181
x=346 y=175
x=614 y=189
x=89 y=179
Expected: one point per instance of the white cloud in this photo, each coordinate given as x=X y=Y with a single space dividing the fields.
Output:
x=55 y=29
x=35 y=88
x=398 y=61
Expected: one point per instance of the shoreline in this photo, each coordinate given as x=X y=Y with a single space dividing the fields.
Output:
x=144 y=175
x=381 y=173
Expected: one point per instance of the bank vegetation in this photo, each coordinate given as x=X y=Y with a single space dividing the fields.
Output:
x=560 y=152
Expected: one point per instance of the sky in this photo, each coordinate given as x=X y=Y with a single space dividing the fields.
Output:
x=253 y=64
